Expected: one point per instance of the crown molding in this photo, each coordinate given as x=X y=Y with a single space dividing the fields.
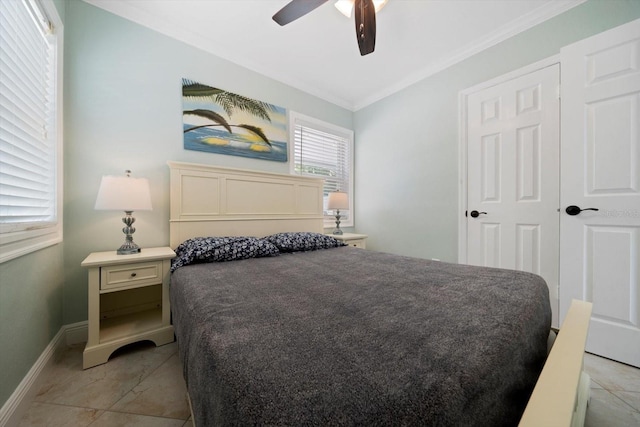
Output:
x=526 y=22
x=129 y=11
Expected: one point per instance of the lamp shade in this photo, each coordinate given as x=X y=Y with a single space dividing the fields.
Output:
x=338 y=200
x=123 y=193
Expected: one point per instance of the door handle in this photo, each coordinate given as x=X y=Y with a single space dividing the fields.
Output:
x=476 y=214
x=575 y=210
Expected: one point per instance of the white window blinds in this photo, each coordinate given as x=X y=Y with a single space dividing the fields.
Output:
x=324 y=151
x=27 y=117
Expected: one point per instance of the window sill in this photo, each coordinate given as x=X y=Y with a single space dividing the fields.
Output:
x=17 y=244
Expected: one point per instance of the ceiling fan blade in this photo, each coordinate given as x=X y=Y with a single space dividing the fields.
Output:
x=365 y=26
x=296 y=9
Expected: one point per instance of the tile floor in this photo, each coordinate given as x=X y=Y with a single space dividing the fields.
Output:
x=142 y=386
x=615 y=393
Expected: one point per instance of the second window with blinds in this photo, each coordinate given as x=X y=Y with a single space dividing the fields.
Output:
x=323 y=150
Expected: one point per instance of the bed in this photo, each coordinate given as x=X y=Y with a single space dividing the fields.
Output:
x=314 y=333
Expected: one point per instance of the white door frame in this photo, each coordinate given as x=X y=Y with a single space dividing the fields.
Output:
x=463 y=143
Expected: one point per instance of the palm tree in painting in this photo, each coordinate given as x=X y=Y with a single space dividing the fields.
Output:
x=230 y=102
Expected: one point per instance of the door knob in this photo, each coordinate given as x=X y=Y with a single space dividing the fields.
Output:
x=575 y=210
x=476 y=214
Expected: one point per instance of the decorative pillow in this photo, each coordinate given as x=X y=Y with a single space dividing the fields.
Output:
x=303 y=241
x=216 y=249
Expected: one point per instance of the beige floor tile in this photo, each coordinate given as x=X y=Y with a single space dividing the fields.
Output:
x=606 y=410
x=101 y=386
x=632 y=398
x=45 y=414
x=161 y=394
x=612 y=376
x=117 y=419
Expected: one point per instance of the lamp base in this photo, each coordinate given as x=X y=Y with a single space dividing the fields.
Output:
x=128 y=248
x=337 y=230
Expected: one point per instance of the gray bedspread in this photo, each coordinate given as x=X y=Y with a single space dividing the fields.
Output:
x=349 y=337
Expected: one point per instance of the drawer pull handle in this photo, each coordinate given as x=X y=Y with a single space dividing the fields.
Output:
x=133 y=274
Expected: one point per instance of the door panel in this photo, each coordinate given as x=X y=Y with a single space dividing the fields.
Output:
x=491 y=244
x=490 y=164
x=513 y=176
x=528 y=168
x=528 y=248
x=610 y=251
x=600 y=250
x=612 y=169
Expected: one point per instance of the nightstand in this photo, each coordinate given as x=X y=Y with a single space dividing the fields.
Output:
x=128 y=301
x=352 y=239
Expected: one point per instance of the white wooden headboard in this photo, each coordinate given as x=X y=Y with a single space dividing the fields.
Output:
x=214 y=201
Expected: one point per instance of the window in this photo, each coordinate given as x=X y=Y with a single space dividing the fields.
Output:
x=325 y=151
x=30 y=127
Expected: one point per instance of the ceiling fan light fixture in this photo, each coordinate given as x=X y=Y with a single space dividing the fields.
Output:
x=346 y=6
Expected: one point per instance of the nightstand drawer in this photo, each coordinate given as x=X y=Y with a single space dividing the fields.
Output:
x=359 y=243
x=119 y=276
x=352 y=239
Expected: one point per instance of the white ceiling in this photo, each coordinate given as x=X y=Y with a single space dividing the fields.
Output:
x=318 y=53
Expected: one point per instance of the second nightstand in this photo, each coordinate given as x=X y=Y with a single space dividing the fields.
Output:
x=128 y=301
x=352 y=239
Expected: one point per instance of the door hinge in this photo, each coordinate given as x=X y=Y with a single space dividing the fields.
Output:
x=558 y=92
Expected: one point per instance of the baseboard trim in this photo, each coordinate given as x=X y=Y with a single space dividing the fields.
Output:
x=16 y=406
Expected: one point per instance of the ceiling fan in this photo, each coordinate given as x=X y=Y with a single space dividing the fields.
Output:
x=365 y=17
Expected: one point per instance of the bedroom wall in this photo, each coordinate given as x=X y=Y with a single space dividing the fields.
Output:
x=413 y=135
x=30 y=312
x=123 y=109
x=30 y=306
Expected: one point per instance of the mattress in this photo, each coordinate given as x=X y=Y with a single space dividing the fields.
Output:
x=345 y=336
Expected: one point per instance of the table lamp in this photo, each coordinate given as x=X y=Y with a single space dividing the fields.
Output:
x=338 y=200
x=127 y=194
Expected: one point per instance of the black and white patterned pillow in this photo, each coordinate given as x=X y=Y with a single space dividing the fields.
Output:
x=303 y=241
x=217 y=249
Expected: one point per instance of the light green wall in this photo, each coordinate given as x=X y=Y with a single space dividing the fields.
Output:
x=123 y=110
x=30 y=312
x=412 y=207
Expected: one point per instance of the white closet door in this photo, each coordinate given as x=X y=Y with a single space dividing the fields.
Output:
x=513 y=176
x=600 y=250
